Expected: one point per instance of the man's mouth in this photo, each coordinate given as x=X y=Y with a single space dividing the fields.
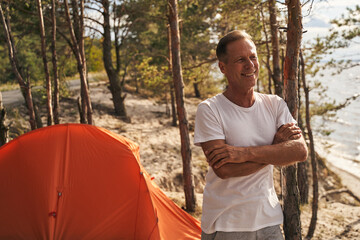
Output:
x=248 y=74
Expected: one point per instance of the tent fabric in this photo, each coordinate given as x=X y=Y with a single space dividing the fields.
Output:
x=75 y=181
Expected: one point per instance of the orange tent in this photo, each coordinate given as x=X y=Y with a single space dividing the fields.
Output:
x=76 y=181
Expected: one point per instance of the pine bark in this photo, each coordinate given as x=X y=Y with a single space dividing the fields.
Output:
x=46 y=69
x=25 y=87
x=276 y=76
x=315 y=199
x=118 y=97
x=56 y=107
x=292 y=224
x=181 y=111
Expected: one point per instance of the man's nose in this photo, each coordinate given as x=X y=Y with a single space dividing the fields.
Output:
x=249 y=63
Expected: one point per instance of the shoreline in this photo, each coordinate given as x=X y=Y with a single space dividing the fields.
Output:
x=348 y=180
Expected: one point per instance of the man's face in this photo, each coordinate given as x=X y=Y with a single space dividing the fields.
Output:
x=242 y=67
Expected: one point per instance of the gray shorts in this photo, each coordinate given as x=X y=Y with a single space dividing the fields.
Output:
x=268 y=233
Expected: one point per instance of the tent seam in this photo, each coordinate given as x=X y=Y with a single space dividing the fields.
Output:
x=137 y=210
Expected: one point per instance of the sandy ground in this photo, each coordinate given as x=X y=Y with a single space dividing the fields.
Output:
x=150 y=127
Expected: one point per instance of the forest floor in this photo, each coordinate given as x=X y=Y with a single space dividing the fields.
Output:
x=150 y=126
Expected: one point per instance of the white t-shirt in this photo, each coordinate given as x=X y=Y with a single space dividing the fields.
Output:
x=246 y=203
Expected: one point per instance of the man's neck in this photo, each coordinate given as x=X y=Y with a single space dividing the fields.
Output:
x=241 y=98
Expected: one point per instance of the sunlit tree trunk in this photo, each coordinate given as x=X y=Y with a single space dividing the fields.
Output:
x=25 y=87
x=190 y=200
x=46 y=70
x=292 y=224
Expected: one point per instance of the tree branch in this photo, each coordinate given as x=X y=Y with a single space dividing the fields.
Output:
x=342 y=190
x=93 y=20
x=96 y=30
x=201 y=63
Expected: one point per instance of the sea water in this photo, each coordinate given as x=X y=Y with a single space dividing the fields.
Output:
x=342 y=147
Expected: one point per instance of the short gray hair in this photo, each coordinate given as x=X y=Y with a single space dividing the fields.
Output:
x=229 y=38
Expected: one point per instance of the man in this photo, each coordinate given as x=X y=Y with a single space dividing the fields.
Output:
x=243 y=134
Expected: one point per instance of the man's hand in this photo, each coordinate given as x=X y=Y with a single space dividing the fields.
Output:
x=221 y=154
x=287 y=132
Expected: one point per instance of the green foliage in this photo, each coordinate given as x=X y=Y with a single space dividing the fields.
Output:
x=94 y=55
x=345 y=33
x=351 y=22
x=156 y=79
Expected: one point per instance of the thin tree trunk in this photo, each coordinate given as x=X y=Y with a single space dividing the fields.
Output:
x=275 y=49
x=37 y=115
x=179 y=94
x=118 y=97
x=196 y=90
x=302 y=171
x=315 y=199
x=78 y=48
x=85 y=89
x=267 y=50
x=56 y=107
x=172 y=97
x=3 y=128
x=292 y=224
x=46 y=70
x=173 y=107
x=25 y=88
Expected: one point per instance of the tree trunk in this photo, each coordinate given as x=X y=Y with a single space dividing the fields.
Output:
x=54 y=62
x=25 y=88
x=113 y=74
x=292 y=224
x=172 y=97
x=3 y=128
x=37 y=115
x=78 y=48
x=302 y=171
x=267 y=50
x=46 y=70
x=312 y=156
x=276 y=76
x=196 y=90
x=179 y=94
x=173 y=107
x=85 y=82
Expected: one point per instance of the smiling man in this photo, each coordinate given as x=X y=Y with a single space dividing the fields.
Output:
x=243 y=135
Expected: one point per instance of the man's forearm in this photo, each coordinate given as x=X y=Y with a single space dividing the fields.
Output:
x=282 y=154
x=230 y=161
x=238 y=169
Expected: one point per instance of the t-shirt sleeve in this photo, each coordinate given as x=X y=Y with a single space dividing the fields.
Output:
x=207 y=125
x=283 y=114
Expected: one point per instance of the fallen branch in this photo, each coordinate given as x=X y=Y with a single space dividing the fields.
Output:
x=342 y=190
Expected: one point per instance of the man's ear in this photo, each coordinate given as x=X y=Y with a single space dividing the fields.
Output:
x=221 y=66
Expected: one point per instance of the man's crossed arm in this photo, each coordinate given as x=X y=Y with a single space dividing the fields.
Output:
x=228 y=161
